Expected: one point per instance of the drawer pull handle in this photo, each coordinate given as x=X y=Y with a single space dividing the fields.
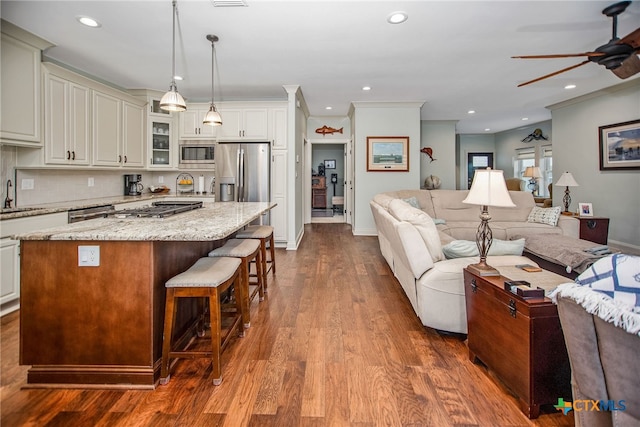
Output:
x=592 y=224
x=474 y=286
x=512 y=308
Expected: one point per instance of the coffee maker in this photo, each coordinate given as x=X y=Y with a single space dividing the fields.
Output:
x=133 y=185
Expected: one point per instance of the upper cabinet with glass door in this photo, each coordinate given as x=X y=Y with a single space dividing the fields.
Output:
x=161 y=144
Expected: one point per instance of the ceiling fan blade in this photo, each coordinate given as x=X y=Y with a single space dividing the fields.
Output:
x=632 y=39
x=560 y=55
x=554 y=73
x=629 y=67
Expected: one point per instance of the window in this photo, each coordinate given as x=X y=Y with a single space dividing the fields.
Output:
x=524 y=157
x=546 y=167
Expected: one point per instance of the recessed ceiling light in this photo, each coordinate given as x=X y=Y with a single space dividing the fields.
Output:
x=471 y=112
x=487 y=130
x=525 y=118
x=89 y=22
x=397 y=17
x=366 y=88
x=328 y=108
x=571 y=86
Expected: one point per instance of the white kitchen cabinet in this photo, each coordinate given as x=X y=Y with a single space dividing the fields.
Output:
x=21 y=89
x=10 y=265
x=239 y=124
x=67 y=121
x=133 y=135
x=191 y=126
x=10 y=254
x=161 y=145
x=278 y=195
x=278 y=128
x=107 y=129
x=118 y=131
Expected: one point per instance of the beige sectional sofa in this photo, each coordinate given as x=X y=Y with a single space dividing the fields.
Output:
x=433 y=284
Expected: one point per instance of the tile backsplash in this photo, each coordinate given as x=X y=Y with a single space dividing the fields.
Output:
x=54 y=186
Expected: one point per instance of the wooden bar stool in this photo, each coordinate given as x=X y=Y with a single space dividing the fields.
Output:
x=246 y=250
x=264 y=233
x=207 y=278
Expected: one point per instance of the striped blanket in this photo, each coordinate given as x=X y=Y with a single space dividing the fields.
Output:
x=616 y=282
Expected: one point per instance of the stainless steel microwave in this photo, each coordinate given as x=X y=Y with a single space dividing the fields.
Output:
x=197 y=154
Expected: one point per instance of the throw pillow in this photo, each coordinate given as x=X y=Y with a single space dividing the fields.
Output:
x=413 y=202
x=544 y=215
x=467 y=248
x=617 y=276
x=403 y=211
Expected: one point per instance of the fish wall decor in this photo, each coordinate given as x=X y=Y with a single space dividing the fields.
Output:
x=324 y=130
x=535 y=135
x=429 y=152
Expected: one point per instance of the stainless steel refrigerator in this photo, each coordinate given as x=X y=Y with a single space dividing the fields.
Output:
x=243 y=173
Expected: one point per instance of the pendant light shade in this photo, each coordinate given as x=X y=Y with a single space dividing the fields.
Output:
x=212 y=118
x=172 y=100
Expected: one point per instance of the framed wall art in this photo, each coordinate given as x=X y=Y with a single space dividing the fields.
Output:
x=620 y=146
x=387 y=153
x=329 y=164
x=585 y=209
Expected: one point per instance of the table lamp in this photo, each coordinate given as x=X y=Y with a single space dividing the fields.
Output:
x=534 y=173
x=566 y=180
x=487 y=189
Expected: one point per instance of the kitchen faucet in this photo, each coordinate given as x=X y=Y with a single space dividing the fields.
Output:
x=8 y=200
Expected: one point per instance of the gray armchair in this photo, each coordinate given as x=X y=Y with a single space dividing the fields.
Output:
x=605 y=366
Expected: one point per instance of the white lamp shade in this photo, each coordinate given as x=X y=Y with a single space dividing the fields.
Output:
x=532 y=172
x=212 y=118
x=567 y=180
x=489 y=189
x=173 y=101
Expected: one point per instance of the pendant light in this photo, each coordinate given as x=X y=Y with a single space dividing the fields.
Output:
x=212 y=118
x=172 y=100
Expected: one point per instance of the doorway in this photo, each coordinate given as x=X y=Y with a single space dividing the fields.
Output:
x=327 y=185
x=477 y=161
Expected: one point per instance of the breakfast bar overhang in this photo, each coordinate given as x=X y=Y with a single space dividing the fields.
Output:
x=101 y=326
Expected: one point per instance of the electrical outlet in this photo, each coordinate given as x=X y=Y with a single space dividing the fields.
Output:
x=27 y=184
x=91 y=182
x=161 y=179
x=88 y=256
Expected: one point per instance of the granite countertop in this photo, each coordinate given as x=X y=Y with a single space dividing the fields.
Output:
x=21 y=212
x=213 y=221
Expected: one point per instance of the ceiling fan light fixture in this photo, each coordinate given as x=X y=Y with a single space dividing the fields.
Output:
x=212 y=118
x=172 y=100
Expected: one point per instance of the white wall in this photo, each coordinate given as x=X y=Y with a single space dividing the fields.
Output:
x=614 y=194
x=382 y=119
x=441 y=137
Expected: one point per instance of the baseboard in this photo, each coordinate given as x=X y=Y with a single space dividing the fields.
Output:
x=624 y=247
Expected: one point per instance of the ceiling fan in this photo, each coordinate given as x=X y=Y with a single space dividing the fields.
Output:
x=618 y=55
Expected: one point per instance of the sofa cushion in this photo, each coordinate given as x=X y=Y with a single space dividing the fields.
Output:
x=544 y=215
x=467 y=248
x=402 y=211
x=466 y=230
x=524 y=202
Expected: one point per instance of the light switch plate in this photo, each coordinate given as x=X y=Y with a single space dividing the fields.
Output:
x=88 y=256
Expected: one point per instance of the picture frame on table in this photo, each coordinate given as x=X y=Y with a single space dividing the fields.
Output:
x=585 y=209
x=329 y=164
x=620 y=146
x=387 y=153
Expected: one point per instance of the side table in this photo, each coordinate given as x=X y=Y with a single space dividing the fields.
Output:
x=519 y=339
x=594 y=229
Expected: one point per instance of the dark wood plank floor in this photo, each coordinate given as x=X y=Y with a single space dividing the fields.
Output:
x=335 y=343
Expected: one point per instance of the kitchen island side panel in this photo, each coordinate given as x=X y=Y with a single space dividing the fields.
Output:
x=99 y=325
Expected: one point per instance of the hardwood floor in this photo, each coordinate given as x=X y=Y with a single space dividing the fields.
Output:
x=335 y=343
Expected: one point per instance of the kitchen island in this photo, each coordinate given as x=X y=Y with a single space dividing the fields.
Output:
x=101 y=325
